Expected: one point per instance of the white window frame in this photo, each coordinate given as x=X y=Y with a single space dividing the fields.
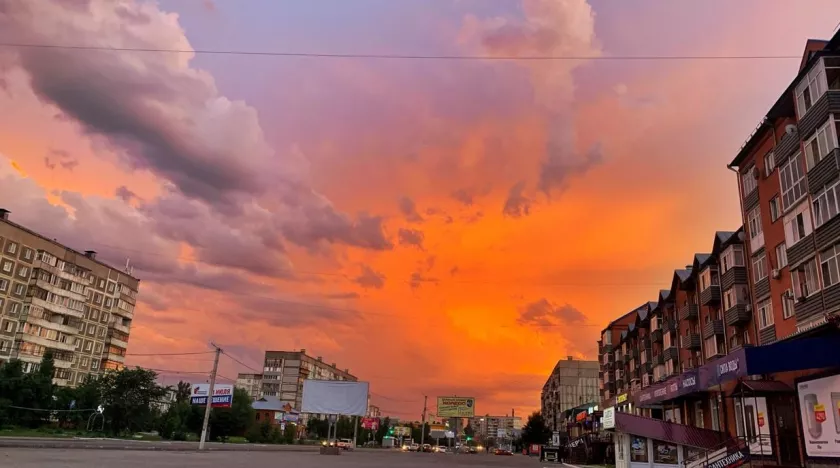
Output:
x=708 y=278
x=826 y=205
x=20 y=289
x=759 y=266
x=769 y=163
x=815 y=83
x=781 y=256
x=794 y=230
x=755 y=228
x=765 y=314
x=8 y=267
x=748 y=182
x=830 y=266
x=792 y=181
x=731 y=257
x=4 y=285
x=787 y=304
x=775 y=209
x=12 y=248
x=825 y=139
x=806 y=275
x=23 y=272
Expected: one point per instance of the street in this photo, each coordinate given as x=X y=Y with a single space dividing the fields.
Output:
x=47 y=458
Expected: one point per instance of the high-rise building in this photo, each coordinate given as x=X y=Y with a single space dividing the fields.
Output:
x=572 y=382
x=251 y=383
x=489 y=426
x=53 y=298
x=284 y=373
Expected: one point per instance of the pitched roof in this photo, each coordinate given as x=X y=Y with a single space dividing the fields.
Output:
x=724 y=239
x=272 y=403
x=700 y=261
x=667 y=431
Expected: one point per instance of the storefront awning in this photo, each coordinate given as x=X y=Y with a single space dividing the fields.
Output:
x=667 y=431
x=761 y=387
x=784 y=356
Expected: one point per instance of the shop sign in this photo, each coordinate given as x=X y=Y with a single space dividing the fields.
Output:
x=580 y=416
x=608 y=418
x=732 y=460
x=621 y=398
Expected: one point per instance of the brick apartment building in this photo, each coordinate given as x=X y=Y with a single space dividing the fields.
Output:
x=572 y=383
x=722 y=362
x=53 y=298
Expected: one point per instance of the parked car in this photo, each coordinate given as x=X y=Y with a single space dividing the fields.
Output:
x=503 y=452
x=427 y=448
x=441 y=449
x=345 y=444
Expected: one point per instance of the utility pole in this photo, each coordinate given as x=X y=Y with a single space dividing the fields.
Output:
x=423 y=422
x=210 y=391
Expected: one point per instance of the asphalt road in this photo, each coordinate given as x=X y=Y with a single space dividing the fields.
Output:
x=55 y=458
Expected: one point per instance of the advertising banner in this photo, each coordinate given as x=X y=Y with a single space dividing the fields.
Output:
x=608 y=418
x=732 y=460
x=335 y=397
x=222 y=395
x=403 y=431
x=819 y=401
x=455 y=407
x=370 y=423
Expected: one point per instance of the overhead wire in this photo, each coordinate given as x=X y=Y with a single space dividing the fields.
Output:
x=324 y=55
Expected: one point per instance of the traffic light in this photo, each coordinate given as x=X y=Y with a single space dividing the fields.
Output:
x=469 y=438
x=391 y=430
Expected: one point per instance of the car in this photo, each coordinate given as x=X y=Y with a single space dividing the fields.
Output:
x=503 y=452
x=441 y=449
x=427 y=448
x=345 y=444
x=472 y=450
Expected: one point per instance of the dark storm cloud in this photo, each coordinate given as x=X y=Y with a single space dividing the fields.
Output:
x=517 y=204
x=122 y=192
x=409 y=210
x=463 y=196
x=411 y=237
x=159 y=114
x=544 y=313
x=559 y=166
x=370 y=278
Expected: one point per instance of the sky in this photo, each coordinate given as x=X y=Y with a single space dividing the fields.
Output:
x=437 y=226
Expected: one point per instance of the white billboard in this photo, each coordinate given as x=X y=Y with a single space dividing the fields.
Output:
x=335 y=397
x=820 y=409
x=222 y=395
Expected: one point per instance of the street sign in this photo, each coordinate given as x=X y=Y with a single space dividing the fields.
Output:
x=222 y=395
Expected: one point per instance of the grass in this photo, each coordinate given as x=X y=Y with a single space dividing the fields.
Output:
x=41 y=432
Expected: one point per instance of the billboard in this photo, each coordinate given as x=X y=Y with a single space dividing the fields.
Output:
x=820 y=412
x=455 y=407
x=402 y=431
x=335 y=397
x=222 y=395
x=370 y=423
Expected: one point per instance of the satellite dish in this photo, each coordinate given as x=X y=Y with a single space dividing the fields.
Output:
x=100 y=409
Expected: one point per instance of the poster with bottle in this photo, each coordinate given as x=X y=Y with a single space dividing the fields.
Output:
x=819 y=403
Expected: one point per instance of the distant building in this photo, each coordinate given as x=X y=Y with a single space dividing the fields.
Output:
x=374 y=411
x=251 y=383
x=488 y=426
x=572 y=382
x=284 y=373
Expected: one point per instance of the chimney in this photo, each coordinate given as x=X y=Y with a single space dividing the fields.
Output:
x=333 y=365
x=570 y=358
x=302 y=350
x=91 y=254
x=4 y=214
x=346 y=371
x=319 y=358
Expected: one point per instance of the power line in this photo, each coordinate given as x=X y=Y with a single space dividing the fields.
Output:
x=168 y=354
x=322 y=55
x=51 y=410
x=396 y=400
x=241 y=363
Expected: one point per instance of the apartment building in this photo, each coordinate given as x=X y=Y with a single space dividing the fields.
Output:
x=490 y=426
x=747 y=326
x=284 y=373
x=572 y=382
x=55 y=298
x=251 y=383
x=374 y=411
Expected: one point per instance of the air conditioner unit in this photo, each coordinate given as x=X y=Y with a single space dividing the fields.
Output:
x=788 y=294
x=775 y=273
x=748 y=308
x=756 y=173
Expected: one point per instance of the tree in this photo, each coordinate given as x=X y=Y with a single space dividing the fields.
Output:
x=535 y=430
x=469 y=432
x=233 y=421
x=129 y=396
x=183 y=392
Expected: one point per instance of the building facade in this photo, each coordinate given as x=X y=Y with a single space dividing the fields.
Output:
x=721 y=364
x=53 y=298
x=284 y=373
x=251 y=383
x=572 y=382
x=489 y=426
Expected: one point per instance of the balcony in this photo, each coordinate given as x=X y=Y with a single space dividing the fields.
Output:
x=52 y=325
x=689 y=312
x=117 y=342
x=733 y=276
x=713 y=327
x=635 y=353
x=115 y=357
x=53 y=344
x=626 y=358
x=738 y=315
x=656 y=335
x=670 y=354
x=690 y=341
x=58 y=309
x=710 y=295
x=47 y=286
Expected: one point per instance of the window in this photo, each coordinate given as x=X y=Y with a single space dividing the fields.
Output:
x=7 y=266
x=663 y=452
x=88 y=346
x=734 y=296
x=787 y=304
x=781 y=256
x=798 y=224
x=14 y=308
x=98 y=348
x=769 y=163
x=748 y=181
x=638 y=449
x=714 y=407
x=4 y=285
x=825 y=204
x=818 y=146
x=759 y=267
x=94 y=365
x=27 y=254
x=733 y=256
x=829 y=266
x=20 y=289
x=775 y=209
x=666 y=340
x=8 y=326
x=713 y=347
x=754 y=221
x=11 y=248
x=793 y=181
x=698 y=414
x=811 y=88
x=23 y=272
x=708 y=278
x=108 y=302
x=765 y=314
